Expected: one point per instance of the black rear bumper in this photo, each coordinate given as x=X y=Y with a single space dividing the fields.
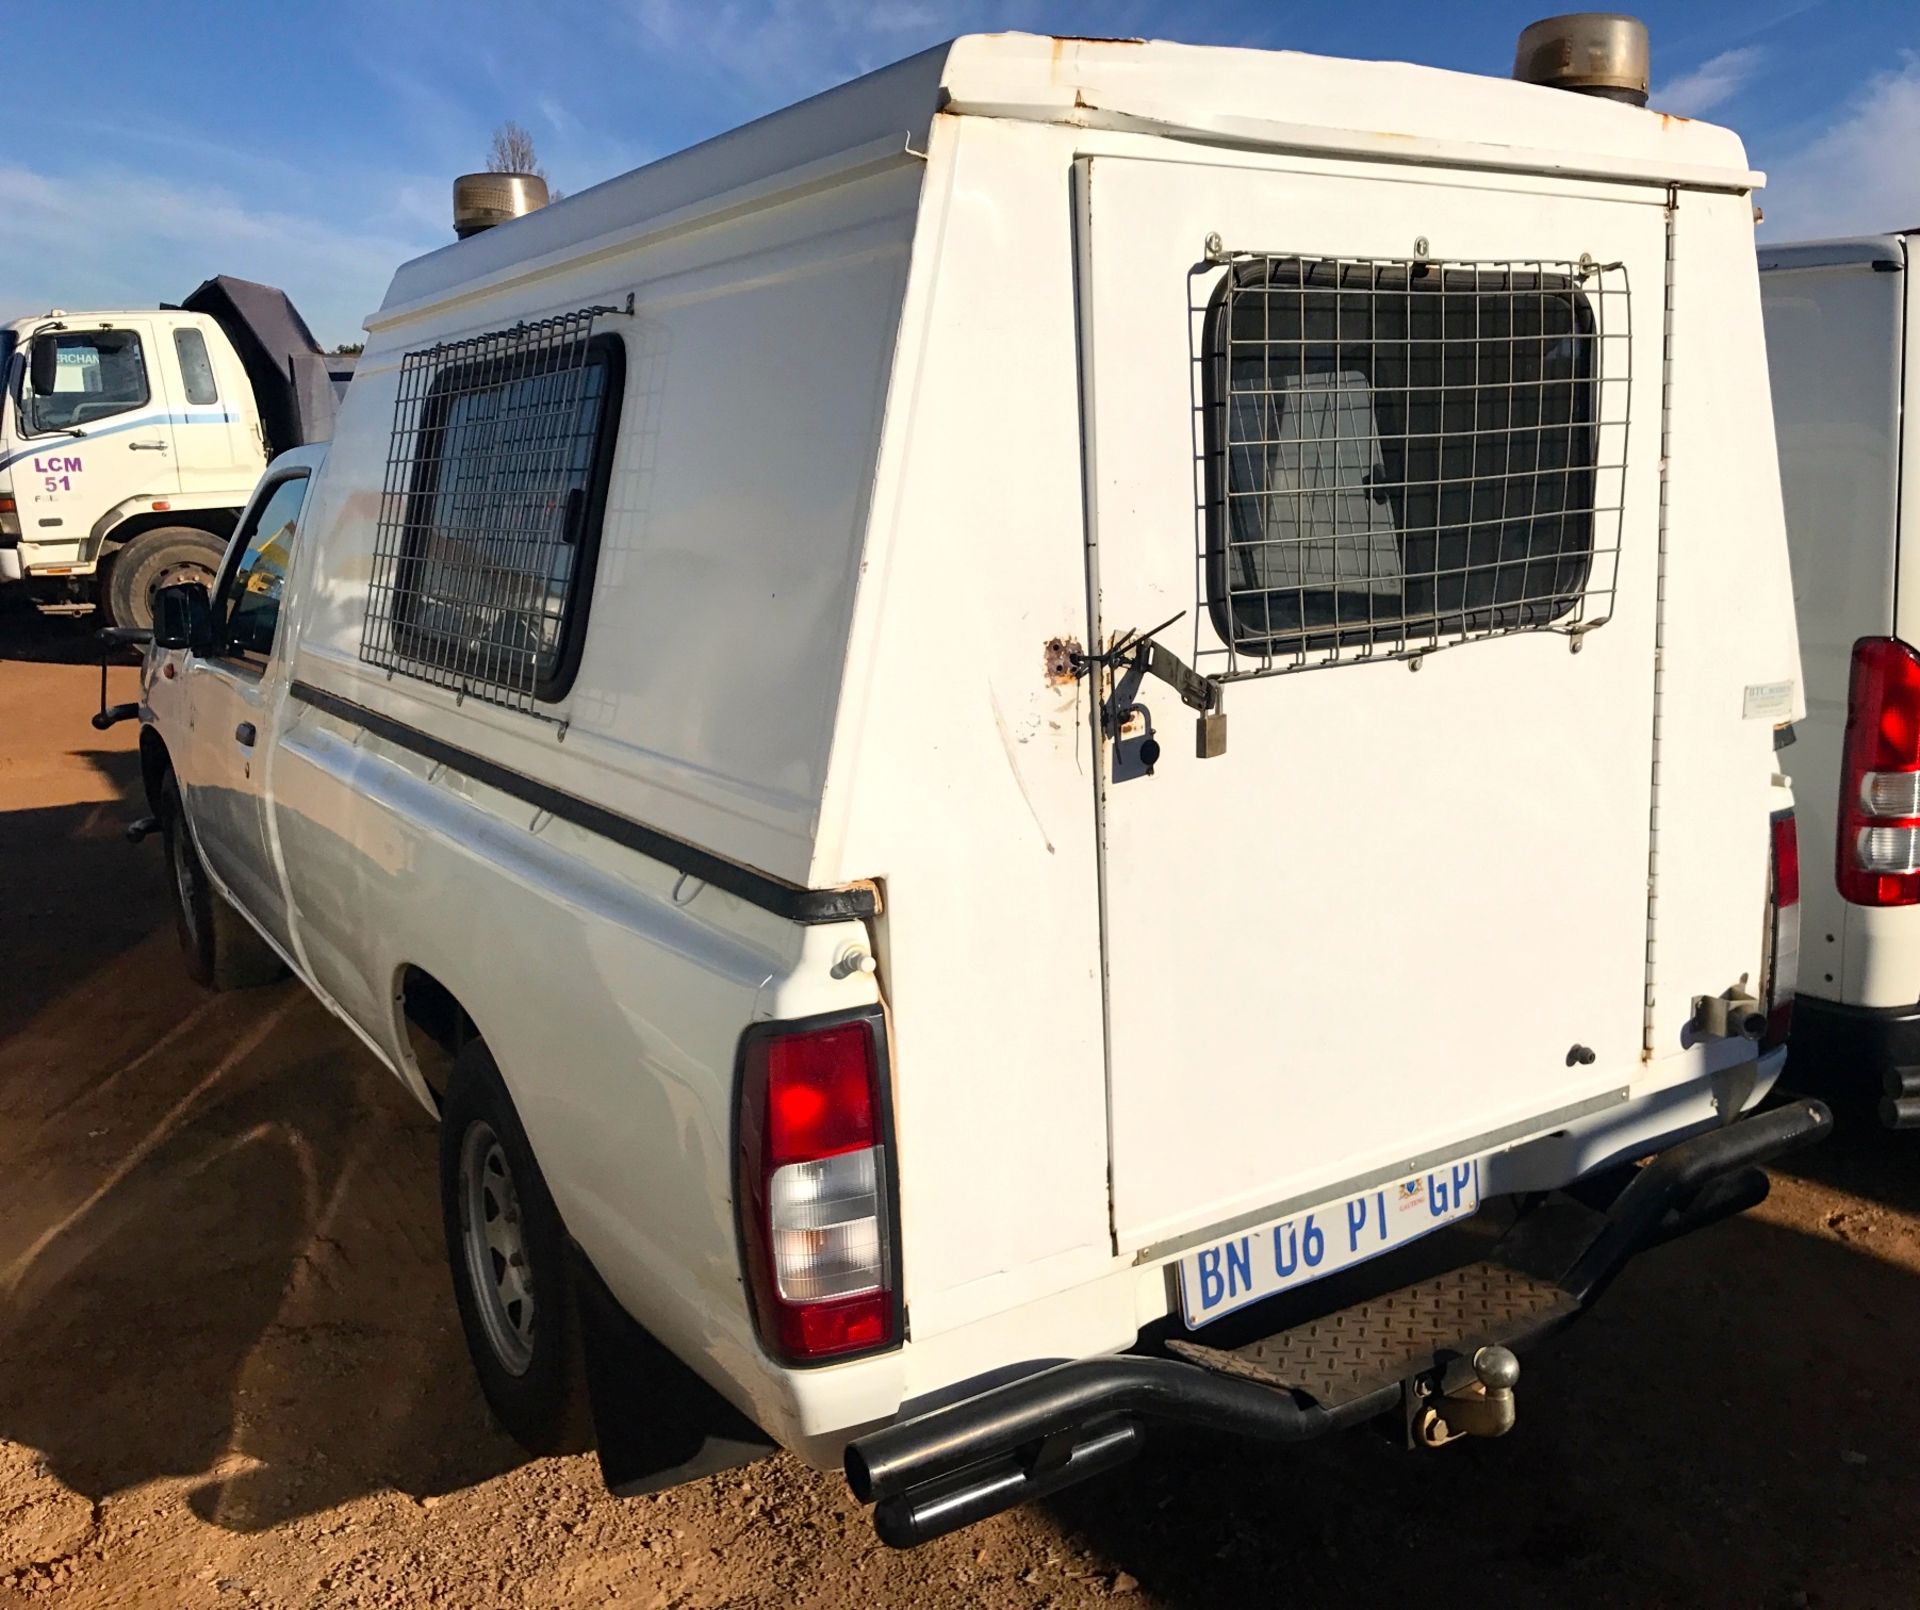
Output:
x=940 y=1471
x=1864 y=1059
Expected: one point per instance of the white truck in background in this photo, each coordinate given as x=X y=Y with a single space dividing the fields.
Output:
x=129 y=440
x=1840 y=316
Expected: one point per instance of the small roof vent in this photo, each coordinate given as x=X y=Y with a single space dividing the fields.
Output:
x=481 y=200
x=1601 y=53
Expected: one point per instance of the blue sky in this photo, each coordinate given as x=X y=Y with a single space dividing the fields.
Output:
x=312 y=146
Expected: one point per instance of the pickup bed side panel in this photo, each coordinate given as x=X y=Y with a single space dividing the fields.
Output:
x=613 y=1008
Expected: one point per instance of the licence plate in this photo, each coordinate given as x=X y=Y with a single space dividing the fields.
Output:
x=1241 y=1269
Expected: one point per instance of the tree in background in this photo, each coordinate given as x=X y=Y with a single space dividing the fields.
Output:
x=513 y=153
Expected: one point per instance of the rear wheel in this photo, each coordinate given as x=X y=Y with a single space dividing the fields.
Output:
x=220 y=947
x=160 y=558
x=508 y=1250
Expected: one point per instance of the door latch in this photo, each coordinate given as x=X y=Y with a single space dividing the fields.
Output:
x=1137 y=655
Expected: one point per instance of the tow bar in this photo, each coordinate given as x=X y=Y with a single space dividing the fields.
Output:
x=1442 y=1350
x=1479 y=1403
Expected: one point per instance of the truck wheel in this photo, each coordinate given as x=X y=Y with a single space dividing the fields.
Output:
x=155 y=559
x=222 y=950
x=508 y=1250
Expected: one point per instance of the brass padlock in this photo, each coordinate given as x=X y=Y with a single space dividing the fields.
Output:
x=1211 y=734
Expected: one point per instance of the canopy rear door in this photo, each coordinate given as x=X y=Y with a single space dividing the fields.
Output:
x=1405 y=501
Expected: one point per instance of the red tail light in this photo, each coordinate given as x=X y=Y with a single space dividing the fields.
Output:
x=816 y=1188
x=1783 y=930
x=1877 y=856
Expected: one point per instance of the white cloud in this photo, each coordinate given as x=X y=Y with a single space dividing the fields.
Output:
x=1715 y=80
x=1861 y=174
x=119 y=239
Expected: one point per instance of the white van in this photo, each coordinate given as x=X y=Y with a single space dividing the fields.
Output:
x=1024 y=706
x=1846 y=401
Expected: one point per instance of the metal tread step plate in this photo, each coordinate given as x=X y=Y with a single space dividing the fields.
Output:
x=1343 y=1356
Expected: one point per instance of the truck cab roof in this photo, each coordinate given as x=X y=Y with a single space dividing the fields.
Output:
x=96 y=316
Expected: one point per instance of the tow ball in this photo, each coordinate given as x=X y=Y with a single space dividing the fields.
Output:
x=1471 y=1398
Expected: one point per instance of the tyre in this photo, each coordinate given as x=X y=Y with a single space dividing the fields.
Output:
x=221 y=949
x=156 y=559
x=508 y=1251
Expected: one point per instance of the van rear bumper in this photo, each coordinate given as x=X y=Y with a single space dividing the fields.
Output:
x=1858 y=1057
x=940 y=1471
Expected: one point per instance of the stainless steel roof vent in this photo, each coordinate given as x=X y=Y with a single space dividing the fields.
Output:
x=1590 y=52
x=481 y=200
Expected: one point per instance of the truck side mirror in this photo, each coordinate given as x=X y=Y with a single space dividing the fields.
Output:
x=43 y=365
x=183 y=618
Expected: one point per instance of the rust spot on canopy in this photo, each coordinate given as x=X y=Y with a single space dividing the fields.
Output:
x=1058 y=660
x=1058 y=44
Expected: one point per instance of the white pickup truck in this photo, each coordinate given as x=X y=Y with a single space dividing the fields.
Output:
x=1082 y=735
x=129 y=439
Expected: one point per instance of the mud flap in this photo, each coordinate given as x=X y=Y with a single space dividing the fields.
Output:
x=656 y=1424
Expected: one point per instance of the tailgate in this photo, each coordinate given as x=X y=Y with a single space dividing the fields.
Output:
x=1406 y=509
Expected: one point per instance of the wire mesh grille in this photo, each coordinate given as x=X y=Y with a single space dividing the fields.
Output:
x=1401 y=455
x=483 y=535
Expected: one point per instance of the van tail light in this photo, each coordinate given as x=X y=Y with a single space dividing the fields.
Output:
x=1783 y=930
x=1877 y=856
x=816 y=1188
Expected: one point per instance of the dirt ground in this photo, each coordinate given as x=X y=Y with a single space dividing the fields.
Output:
x=230 y=1372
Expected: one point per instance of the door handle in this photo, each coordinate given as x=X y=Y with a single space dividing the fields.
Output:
x=147 y=447
x=245 y=733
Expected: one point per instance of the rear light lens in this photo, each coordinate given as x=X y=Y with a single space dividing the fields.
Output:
x=815 y=1189
x=1890 y=793
x=8 y=506
x=1888 y=852
x=826 y=1227
x=1877 y=853
x=1783 y=929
